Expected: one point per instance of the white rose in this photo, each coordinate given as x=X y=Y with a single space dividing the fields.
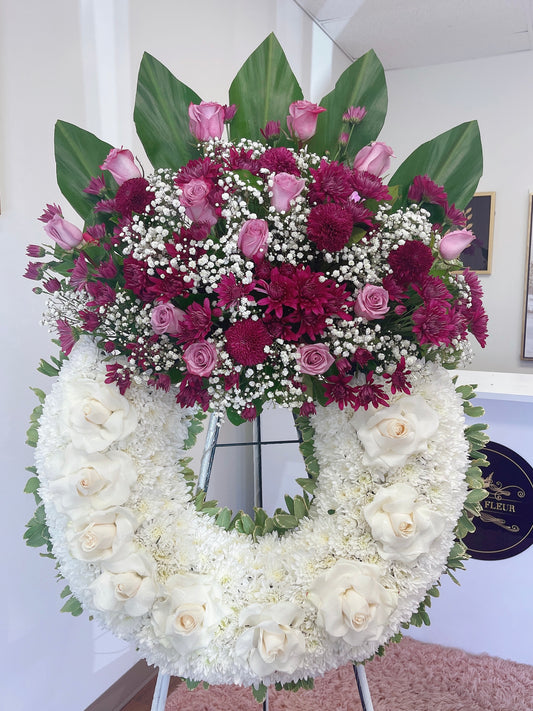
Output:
x=92 y=481
x=352 y=604
x=126 y=586
x=403 y=527
x=187 y=615
x=102 y=534
x=95 y=415
x=392 y=434
x=271 y=643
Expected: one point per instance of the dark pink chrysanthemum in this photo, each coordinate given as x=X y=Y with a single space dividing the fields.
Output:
x=369 y=186
x=230 y=291
x=246 y=342
x=133 y=196
x=200 y=168
x=90 y=320
x=197 y=321
x=370 y=393
x=280 y=291
x=191 y=392
x=331 y=183
x=66 y=336
x=96 y=185
x=432 y=323
x=161 y=381
x=395 y=291
x=101 y=293
x=477 y=323
x=423 y=189
x=476 y=290
x=307 y=324
x=455 y=216
x=52 y=285
x=411 y=262
x=50 y=211
x=432 y=288
x=249 y=413
x=398 y=379
x=105 y=206
x=338 y=389
x=354 y=114
x=136 y=279
x=362 y=357
x=271 y=130
x=79 y=275
x=118 y=374
x=279 y=160
x=33 y=271
x=94 y=233
x=308 y=409
x=329 y=226
x=34 y=250
x=107 y=270
x=241 y=159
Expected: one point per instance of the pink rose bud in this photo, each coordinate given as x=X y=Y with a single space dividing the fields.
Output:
x=194 y=199
x=374 y=158
x=314 y=358
x=253 y=237
x=64 y=233
x=302 y=119
x=200 y=358
x=284 y=189
x=372 y=302
x=166 y=318
x=453 y=243
x=121 y=164
x=271 y=130
x=206 y=120
x=344 y=138
x=229 y=112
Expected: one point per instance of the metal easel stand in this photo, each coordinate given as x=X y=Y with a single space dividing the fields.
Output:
x=213 y=430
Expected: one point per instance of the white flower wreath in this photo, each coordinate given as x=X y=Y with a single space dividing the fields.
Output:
x=216 y=605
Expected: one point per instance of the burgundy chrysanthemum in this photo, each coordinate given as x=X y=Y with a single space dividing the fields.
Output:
x=423 y=189
x=456 y=217
x=249 y=413
x=362 y=357
x=33 y=271
x=136 y=279
x=79 y=275
x=230 y=291
x=191 y=393
x=369 y=186
x=280 y=291
x=196 y=323
x=433 y=323
x=279 y=160
x=200 y=168
x=102 y=294
x=476 y=290
x=411 y=262
x=94 y=233
x=246 y=342
x=96 y=185
x=338 y=389
x=133 y=196
x=329 y=226
x=308 y=409
x=477 y=323
x=116 y=373
x=66 y=336
x=396 y=292
x=398 y=379
x=361 y=215
x=432 y=288
x=370 y=393
x=331 y=183
x=90 y=320
x=161 y=381
x=242 y=160
x=52 y=285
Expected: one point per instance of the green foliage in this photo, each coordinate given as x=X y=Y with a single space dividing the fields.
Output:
x=260 y=692
x=263 y=89
x=308 y=684
x=361 y=84
x=79 y=155
x=161 y=115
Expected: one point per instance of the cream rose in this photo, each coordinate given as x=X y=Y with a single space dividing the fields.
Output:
x=92 y=481
x=403 y=528
x=102 y=534
x=188 y=613
x=95 y=415
x=352 y=604
x=392 y=434
x=125 y=586
x=271 y=643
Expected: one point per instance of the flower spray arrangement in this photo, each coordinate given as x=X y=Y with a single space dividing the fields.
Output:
x=263 y=260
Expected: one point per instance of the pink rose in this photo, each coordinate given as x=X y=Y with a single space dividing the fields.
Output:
x=166 y=318
x=314 y=358
x=453 y=243
x=374 y=158
x=200 y=358
x=372 y=302
x=253 y=237
x=194 y=199
x=302 y=119
x=284 y=189
x=121 y=164
x=206 y=120
x=64 y=233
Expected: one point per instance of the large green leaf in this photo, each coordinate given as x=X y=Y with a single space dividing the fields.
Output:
x=79 y=155
x=362 y=84
x=262 y=90
x=161 y=115
x=454 y=159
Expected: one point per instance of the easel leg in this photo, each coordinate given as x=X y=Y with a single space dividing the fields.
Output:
x=362 y=687
x=160 y=692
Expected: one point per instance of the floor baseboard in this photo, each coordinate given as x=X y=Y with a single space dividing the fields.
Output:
x=125 y=688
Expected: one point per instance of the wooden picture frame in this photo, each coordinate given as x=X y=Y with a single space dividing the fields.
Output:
x=527 y=323
x=480 y=220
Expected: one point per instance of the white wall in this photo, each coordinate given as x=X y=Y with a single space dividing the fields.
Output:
x=78 y=61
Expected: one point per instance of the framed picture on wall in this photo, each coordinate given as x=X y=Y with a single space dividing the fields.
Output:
x=480 y=219
x=527 y=330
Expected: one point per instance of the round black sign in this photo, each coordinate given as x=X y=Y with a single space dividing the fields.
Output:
x=505 y=527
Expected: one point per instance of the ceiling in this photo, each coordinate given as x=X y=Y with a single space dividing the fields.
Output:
x=416 y=33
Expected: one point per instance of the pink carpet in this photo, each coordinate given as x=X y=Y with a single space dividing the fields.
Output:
x=412 y=676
